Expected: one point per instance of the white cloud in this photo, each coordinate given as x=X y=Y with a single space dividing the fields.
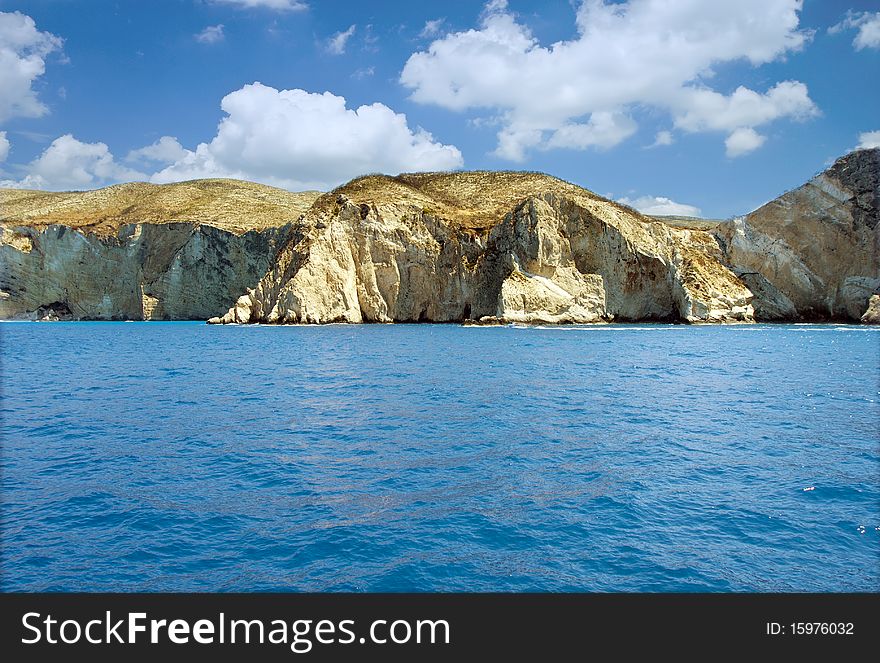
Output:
x=868 y=24
x=868 y=140
x=166 y=150
x=742 y=141
x=432 y=28
x=288 y=138
x=300 y=140
x=71 y=164
x=211 y=34
x=660 y=206
x=869 y=33
x=4 y=146
x=277 y=5
x=336 y=43
x=364 y=72
x=23 y=52
x=702 y=109
x=662 y=139
x=370 y=39
x=604 y=129
x=640 y=52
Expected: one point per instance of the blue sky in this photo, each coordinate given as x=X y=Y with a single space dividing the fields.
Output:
x=715 y=107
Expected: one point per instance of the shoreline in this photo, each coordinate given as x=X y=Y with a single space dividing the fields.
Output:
x=476 y=324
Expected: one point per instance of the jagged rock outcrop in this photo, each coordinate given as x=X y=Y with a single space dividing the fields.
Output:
x=77 y=256
x=872 y=315
x=813 y=253
x=503 y=246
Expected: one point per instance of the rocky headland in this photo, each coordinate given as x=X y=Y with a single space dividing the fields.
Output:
x=139 y=251
x=437 y=247
x=814 y=252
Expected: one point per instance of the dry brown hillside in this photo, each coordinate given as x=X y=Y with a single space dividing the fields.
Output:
x=232 y=205
x=688 y=222
x=475 y=199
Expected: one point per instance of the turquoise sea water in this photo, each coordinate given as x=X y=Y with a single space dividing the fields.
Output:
x=181 y=456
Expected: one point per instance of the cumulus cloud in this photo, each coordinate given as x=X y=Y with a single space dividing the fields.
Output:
x=71 y=164
x=742 y=141
x=4 y=146
x=704 y=109
x=23 y=52
x=640 y=52
x=867 y=24
x=300 y=140
x=660 y=206
x=336 y=44
x=604 y=129
x=737 y=113
x=211 y=34
x=868 y=140
x=277 y=5
x=869 y=33
x=287 y=138
x=166 y=150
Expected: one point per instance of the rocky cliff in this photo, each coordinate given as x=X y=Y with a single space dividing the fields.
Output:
x=139 y=251
x=814 y=252
x=517 y=247
x=442 y=247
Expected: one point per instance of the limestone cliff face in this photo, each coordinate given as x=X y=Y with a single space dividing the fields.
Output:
x=119 y=254
x=144 y=272
x=494 y=246
x=813 y=253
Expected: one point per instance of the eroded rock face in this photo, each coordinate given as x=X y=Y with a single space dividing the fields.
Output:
x=175 y=271
x=813 y=253
x=139 y=251
x=872 y=315
x=557 y=254
x=439 y=247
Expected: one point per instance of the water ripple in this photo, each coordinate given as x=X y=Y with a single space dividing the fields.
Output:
x=428 y=458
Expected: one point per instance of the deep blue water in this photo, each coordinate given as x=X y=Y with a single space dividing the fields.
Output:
x=181 y=456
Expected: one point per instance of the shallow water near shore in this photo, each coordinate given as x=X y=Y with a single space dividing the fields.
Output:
x=188 y=457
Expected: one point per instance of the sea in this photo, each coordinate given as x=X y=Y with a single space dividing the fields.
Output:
x=408 y=458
